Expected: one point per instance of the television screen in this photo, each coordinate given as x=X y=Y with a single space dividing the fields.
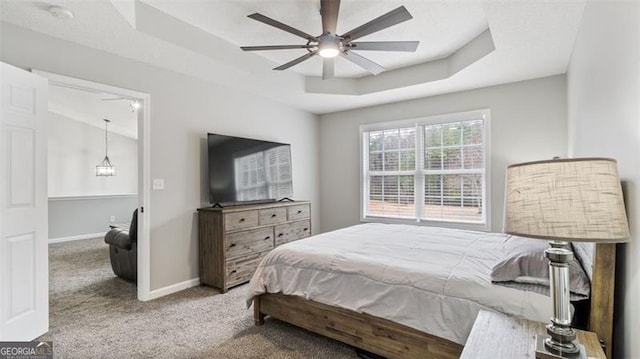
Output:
x=248 y=170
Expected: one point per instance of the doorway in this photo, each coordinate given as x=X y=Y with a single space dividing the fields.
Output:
x=121 y=100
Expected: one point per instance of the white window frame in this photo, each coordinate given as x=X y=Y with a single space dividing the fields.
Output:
x=484 y=114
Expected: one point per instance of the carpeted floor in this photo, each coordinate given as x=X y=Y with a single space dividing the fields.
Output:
x=94 y=314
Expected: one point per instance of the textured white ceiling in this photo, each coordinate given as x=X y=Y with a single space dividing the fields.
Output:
x=532 y=39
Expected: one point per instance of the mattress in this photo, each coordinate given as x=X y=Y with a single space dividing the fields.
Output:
x=433 y=279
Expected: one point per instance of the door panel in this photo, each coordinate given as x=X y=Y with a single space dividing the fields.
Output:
x=24 y=277
x=22 y=281
x=21 y=162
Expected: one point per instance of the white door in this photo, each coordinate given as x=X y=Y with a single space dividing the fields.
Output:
x=24 y=263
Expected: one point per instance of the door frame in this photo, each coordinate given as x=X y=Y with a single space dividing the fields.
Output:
x=144 y=172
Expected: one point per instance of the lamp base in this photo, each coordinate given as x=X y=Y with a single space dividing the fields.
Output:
x=542 y=352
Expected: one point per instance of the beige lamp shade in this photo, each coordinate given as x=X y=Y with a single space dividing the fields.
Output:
x=576 y=199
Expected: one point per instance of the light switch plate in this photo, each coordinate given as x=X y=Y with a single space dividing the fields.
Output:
x=158 y=184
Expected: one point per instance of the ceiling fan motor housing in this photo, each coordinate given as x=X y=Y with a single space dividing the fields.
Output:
x=329 y=45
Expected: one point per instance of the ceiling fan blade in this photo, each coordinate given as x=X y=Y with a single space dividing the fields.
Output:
x=295 y=61
x=409 y=46
x=363 y=62
x=329 y=12
x=328 y=68
x=274 y=47
x=281 y=26
x=389 y=19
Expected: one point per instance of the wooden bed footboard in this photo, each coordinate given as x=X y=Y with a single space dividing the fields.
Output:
x=364 y=331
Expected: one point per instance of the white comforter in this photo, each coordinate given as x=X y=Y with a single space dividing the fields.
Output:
x=428 y=278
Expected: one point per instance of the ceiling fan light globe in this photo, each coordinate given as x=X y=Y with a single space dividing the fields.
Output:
x=328 y=52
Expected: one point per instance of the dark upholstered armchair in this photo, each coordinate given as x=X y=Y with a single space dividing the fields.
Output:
x=123 y=249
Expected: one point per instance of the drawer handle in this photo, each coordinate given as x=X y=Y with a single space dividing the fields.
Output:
x=267 y=237
x=241 y=219
x=232 y=245
x=299 y=211
x=273 y=215
x=305 y=229
x=281 y=234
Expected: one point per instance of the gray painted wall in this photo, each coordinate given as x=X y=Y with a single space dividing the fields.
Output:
x=80 y=216
x=528 y=122
x=183 y=110
x=603 y=86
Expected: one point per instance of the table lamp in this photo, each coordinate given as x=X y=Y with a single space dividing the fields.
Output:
x=562 y=201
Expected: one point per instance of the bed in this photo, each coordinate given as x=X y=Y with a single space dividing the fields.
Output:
x=399 y=291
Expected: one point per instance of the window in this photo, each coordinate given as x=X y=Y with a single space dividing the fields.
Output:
x=433 y=169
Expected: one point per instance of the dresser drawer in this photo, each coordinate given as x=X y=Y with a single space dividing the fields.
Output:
x=292 y=231
x=240 y=220
x=272 y=215
x=300 y=211
x=240 y=244
x=241 y=270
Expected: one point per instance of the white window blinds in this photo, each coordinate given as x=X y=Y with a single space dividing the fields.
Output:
x=392 y=164
x=428 y=171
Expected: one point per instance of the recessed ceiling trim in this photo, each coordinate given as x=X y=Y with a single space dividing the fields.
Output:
x=161 y=25
x=126 y=8
x=538 y=47
x=430 y=71
x=236 y=72
x=472 y=51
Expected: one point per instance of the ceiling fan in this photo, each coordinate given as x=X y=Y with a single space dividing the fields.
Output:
x=329 y=44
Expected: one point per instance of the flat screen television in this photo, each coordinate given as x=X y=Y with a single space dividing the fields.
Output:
x=245 y=170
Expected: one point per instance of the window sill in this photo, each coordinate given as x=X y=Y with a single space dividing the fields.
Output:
x=484 y=227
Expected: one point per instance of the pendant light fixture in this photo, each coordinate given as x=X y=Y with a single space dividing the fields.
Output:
x=105 y=168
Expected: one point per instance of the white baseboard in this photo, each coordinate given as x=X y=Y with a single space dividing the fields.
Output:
x=161 y=292
x=76 y=238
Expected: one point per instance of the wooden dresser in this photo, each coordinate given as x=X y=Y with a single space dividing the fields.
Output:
x=234 y=239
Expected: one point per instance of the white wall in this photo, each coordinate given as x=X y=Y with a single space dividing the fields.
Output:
x=74 y=150
x=183 y=110
x=603 y=86
x=528 y=122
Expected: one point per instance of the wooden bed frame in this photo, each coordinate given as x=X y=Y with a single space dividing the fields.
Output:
x=393 y=340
